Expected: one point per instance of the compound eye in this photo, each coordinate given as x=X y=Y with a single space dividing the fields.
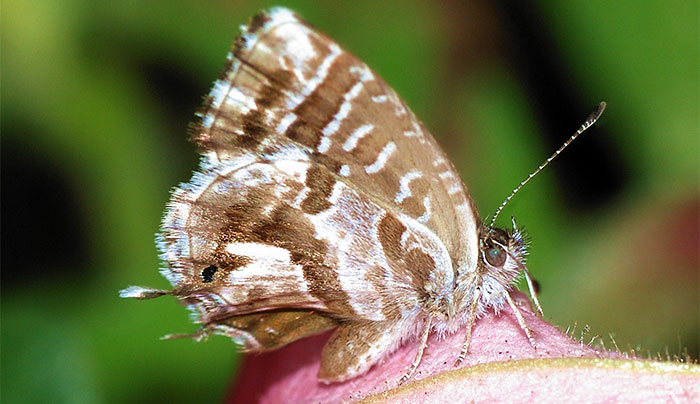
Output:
x=495 y=256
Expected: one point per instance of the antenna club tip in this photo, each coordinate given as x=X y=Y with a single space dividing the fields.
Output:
x=599 y=110
x=595 y=115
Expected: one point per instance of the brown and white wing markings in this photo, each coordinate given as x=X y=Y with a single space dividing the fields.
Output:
x=280 y=234
x=321 y=201
x=287 y=83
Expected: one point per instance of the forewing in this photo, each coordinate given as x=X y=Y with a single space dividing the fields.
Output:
x=286 y=83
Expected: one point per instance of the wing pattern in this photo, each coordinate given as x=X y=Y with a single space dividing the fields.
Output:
x=321 y=202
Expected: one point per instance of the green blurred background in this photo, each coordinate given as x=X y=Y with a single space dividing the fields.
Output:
x=96 y=97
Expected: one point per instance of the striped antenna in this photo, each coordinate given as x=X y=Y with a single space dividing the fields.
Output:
x=595 y=115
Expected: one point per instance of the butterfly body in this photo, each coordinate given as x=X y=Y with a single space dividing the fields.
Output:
x=322 y=202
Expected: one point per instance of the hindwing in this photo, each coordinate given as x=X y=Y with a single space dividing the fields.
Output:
x=268 y=232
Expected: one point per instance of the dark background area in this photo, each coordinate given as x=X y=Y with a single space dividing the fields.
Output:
x=96 y=97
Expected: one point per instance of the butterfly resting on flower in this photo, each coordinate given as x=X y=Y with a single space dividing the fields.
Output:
x=323 y=203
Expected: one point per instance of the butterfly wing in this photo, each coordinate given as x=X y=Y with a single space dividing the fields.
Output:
x=287 y=83
x=270 y=330
x=257 y=234
x=319 y=192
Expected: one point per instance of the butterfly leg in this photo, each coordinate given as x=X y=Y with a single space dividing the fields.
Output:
x=533 y=293
x=520 y=319
x=421 y=348
x=470 y=324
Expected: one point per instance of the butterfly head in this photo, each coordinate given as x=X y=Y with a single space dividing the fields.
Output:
x=502 y=254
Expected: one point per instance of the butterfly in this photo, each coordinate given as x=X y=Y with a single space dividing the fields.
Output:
x=323 y=203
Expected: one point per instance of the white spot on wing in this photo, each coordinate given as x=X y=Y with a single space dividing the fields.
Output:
x=285 y=122
x=379 y=98
x=333 y=125
x=381 y=158
x=324 y=145
x=345 y=170
x=260 y=252
x=358 y=134
x=425 y=216
x=404 y=190
x=354 y=91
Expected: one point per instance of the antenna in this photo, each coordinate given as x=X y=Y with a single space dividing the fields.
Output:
x=595 y=115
